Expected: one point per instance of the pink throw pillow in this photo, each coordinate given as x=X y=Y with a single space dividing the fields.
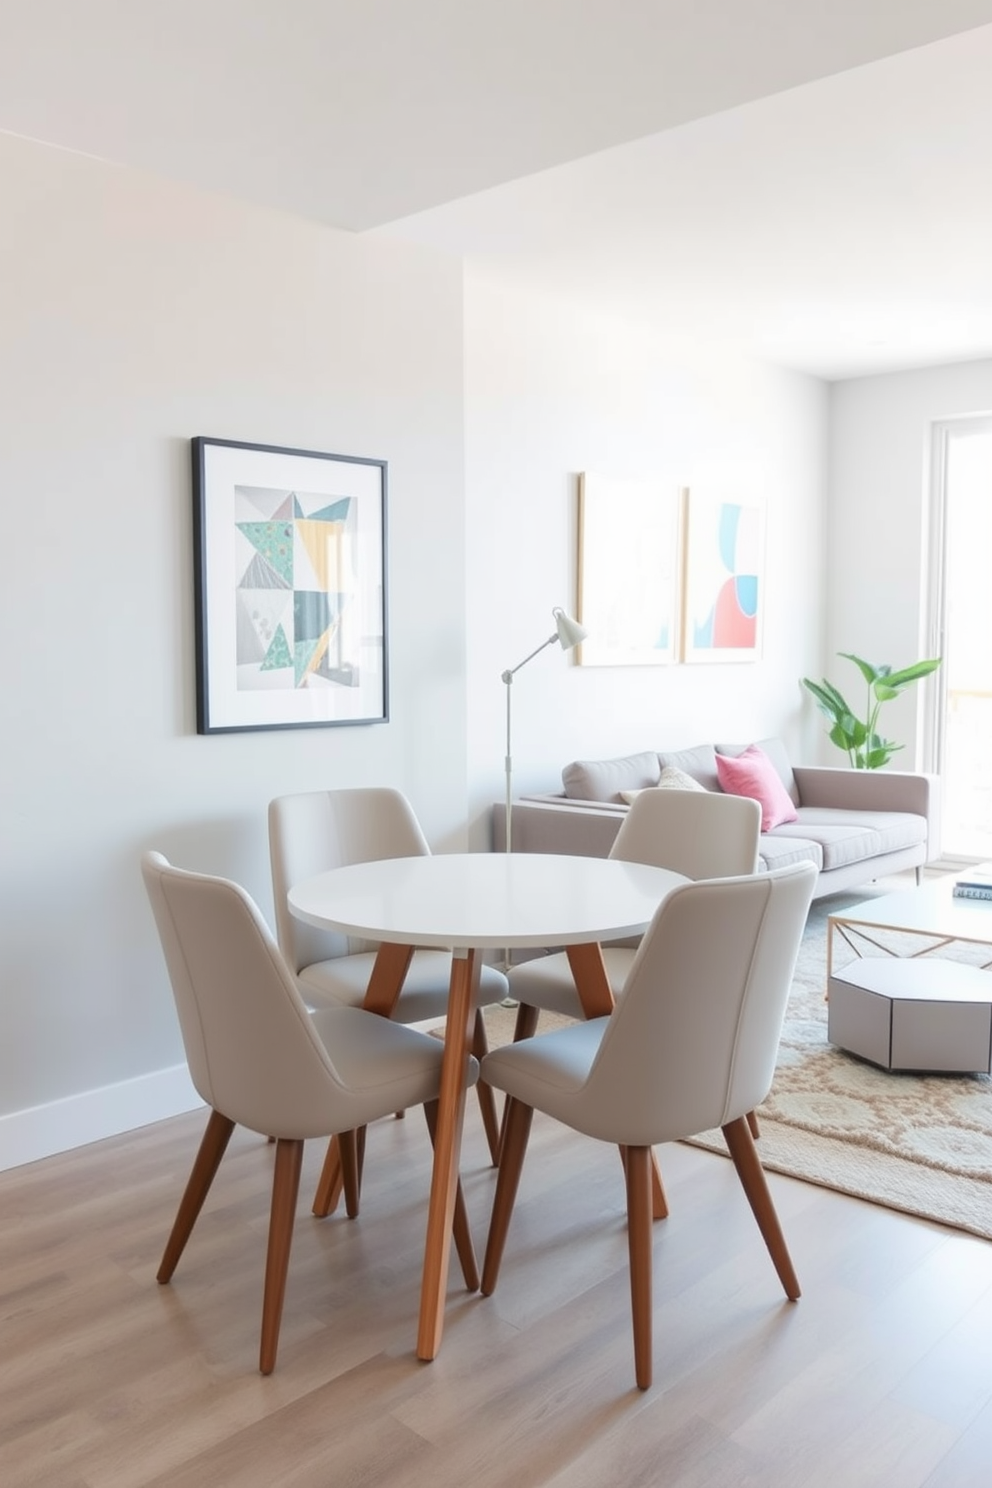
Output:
x=753 y=774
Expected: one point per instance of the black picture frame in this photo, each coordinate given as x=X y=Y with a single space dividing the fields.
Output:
x=289 y=550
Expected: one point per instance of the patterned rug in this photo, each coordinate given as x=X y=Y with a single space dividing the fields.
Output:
x=919 y=1143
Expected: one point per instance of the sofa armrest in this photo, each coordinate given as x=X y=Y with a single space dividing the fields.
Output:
x=874 y=790
x=549 y=824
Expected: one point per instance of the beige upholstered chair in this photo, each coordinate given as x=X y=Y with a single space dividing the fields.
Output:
x=701 y=834
x=316 y=830
x=259 y=1058
x=690 y=1046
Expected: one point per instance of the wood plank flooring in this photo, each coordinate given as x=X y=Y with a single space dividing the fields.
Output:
x=881 y=1375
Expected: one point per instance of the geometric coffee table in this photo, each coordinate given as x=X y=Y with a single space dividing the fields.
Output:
x=902 y=1005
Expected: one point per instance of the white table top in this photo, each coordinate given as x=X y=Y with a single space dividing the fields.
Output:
x=483 y=900
x=931 y=909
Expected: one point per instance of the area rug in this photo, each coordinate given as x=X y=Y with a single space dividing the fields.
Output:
x=918 y=1143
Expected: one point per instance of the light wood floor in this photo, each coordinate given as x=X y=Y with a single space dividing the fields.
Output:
x=881 y=1375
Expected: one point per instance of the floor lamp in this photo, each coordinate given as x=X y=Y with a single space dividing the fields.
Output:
x=567 y=633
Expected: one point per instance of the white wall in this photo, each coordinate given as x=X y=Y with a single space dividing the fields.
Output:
x=550 y=394
x=136 y=314
x=879 y=486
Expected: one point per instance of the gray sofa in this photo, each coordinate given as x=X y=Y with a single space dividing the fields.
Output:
x=855 y=825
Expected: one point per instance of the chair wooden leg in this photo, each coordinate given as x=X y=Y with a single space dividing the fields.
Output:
x=638 y=1170
x=525 y=1026
x=330 y=1183
x=659 y=1200
x=753 y=1127
x=752 y=1176
x=659 y=1203
x=487 y=1101
x=460 y=1231
x=285 y=1188
x=348 y=1148
x=213 y=1145
x=516 y=1129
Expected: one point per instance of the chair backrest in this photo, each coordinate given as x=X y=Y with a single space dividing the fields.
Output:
x=692 y=1043
x=250 y=1044
x=316 y=830
x=703 y=834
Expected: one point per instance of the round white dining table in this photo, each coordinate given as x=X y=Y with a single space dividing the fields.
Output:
x=469 y=903
x=485 y=900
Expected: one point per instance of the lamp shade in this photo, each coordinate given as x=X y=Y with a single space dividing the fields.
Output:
x=570 y=632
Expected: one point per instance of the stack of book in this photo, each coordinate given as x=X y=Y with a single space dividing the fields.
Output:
x=975 y=884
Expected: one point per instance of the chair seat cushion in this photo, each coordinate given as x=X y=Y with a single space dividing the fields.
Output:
x=534 y=1068
x=343 y=981
x=546 y=982
x=383 y=1065
x=551 y=1072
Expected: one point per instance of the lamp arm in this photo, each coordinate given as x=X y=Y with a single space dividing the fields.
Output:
x=508 y=675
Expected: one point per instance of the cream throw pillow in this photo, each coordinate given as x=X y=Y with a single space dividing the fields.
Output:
x=671 y=779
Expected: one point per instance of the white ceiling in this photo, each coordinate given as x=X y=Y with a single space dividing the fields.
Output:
x=809 y=180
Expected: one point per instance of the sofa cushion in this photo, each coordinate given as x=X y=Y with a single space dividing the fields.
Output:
x=775 y=850
x=671 y=779
x=699 y=763
x=777 y=753
x=752 y=773
x=853 y=836
x=603 y=780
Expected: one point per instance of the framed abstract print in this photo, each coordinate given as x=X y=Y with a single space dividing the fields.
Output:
x=289 y=551
x=628 y=572
x=723 y=584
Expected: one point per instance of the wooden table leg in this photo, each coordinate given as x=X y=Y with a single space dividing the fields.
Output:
x=391 y=965
x=465 y=969
x=596 y=996
x=591 y=981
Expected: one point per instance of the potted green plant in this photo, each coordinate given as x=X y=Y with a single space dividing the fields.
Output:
x=865 y=747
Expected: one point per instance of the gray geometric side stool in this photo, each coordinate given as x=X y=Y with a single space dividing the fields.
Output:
x=923 y=1015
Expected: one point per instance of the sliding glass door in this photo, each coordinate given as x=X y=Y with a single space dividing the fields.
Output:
x=959 y=733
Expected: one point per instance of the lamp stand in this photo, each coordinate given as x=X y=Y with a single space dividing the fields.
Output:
x=508 y=763
x=567 y=633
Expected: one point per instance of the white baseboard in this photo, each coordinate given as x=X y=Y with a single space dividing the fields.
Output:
x=42 y=1131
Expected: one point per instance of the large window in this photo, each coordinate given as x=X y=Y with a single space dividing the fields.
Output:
x=960 y=729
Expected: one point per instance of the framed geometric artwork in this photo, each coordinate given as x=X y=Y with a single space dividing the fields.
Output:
x=724 y=578
x=289 y=555
x=628 y=572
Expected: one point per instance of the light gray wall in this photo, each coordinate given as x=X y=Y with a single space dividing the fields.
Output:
x=552 y=393
x=880 y=431
x=136 y=314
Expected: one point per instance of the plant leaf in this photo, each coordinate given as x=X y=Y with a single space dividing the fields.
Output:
x=828 y=698
x=866 y=749
x=914 y=673
x=869 y=672
x=876 y=758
